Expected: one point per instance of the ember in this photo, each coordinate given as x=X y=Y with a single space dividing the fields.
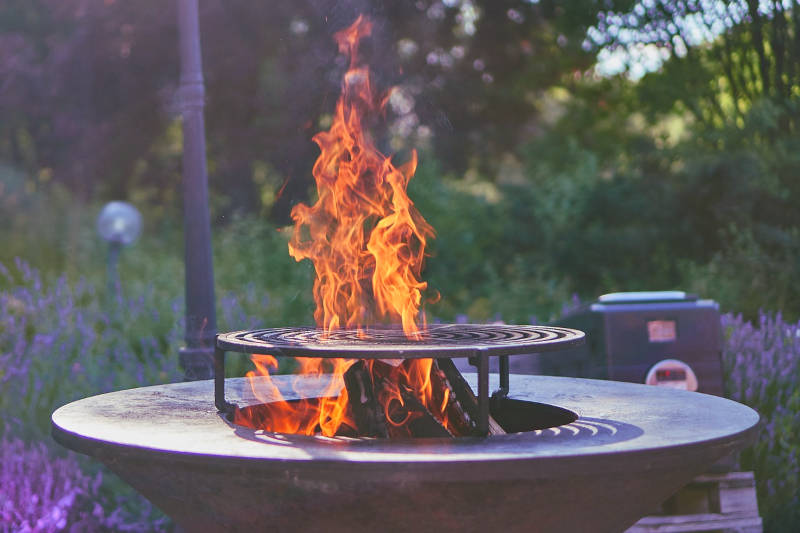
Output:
x=367 y=243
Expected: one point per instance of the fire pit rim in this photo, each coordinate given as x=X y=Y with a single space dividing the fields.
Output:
x=479 y=468
x=73 y=423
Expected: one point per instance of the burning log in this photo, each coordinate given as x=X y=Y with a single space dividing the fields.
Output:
x=421 y=423
x=410 y=412
x=367 y=412
x=464 y=397
x=445 y=394
x=384 y=406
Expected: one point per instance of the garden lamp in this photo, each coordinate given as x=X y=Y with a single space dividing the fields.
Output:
x=119 y=224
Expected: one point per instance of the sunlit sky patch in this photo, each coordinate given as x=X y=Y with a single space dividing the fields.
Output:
x=629 y=44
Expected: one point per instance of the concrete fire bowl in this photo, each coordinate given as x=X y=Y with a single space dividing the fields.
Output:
x=630 y=447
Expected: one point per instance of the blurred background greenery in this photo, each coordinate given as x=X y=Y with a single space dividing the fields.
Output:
x=566 y=148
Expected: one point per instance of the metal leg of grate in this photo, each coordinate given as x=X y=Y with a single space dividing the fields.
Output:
x=223 y=406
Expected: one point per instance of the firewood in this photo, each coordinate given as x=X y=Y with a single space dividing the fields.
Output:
x=464 y=394
x=406 y=416
x=367 y=411
x=422 y=423
x=367 y=383
x=458 y=419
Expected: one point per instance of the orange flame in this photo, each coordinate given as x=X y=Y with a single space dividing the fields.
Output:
x=363 y=234
x=323 y=415
x=367 y=243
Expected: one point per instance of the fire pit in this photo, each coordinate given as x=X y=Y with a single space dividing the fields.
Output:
x=613 y=451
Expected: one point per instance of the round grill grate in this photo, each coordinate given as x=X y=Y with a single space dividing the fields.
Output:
x=438 y=340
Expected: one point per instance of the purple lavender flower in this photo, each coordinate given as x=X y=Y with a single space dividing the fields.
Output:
x=43 y=492
x=762 y=369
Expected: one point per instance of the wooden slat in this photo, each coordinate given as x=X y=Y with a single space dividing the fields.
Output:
x=725 y=502
x=697 y=522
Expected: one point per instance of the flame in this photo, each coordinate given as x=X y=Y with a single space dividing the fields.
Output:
x=364 y=235
x=367 y=242
x=324 y=415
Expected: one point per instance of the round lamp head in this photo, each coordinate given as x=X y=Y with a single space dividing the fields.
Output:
x=119 y=222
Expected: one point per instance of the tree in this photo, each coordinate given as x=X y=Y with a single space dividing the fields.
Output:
x=88 y=85
x=724 y=56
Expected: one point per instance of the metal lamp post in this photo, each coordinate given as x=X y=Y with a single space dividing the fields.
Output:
x=201 y=323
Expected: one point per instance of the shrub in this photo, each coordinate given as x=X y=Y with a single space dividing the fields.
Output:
x=62 y=341
x=42 y=492
x=762 y=369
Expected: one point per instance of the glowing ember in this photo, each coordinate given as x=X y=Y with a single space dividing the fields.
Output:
x=367 y=243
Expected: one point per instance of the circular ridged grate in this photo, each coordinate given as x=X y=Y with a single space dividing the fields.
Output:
x=438 y=340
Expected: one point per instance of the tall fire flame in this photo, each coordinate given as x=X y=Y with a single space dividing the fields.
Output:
x=364 y=235
x=367 y=243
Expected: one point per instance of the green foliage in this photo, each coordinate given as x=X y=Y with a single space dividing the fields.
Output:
x=41 y=224
x=252 y=262
x=618 y=200
x=745 y=275
x=738 y=188
x=485 y=261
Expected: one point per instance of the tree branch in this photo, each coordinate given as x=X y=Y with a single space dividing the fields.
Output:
x=758 y=41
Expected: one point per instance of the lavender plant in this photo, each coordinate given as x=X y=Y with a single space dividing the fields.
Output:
x=41 y=492
x=762 y=369
x=60 y=341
